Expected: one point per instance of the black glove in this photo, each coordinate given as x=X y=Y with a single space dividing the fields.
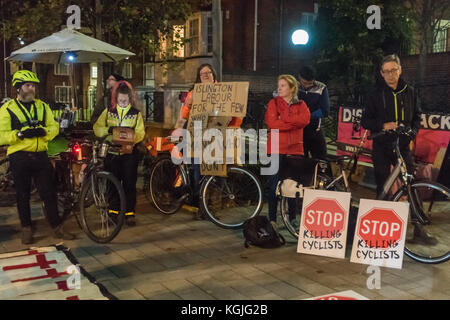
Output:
x=32 y=133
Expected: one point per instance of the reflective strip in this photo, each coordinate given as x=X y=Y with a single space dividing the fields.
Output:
x=129 y=214
x=113 y=211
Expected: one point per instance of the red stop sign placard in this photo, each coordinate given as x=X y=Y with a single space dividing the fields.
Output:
x=324 y=217
x=380 y=228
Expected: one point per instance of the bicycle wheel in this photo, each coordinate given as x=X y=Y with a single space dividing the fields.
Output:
x=427 y=243
x=294 y=205
x=98 y=224
x=7 y=191
x=230 y=201
x=167 y=186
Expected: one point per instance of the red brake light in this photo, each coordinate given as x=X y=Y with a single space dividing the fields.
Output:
x=77 y=151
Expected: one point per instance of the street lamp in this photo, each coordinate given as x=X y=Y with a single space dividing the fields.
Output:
x=300 y=37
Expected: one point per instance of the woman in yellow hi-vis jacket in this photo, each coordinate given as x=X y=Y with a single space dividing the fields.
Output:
x=121 y=113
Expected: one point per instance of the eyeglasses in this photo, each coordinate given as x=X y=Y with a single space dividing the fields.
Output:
x=392 y=71
x=205 y=74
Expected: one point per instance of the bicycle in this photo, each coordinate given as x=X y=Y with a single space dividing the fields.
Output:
x=227 y=201
x=429 y=206
x=299 y=173
x=91 y=195
x=301 y=169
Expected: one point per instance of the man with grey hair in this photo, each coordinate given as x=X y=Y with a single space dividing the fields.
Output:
x=392 y=103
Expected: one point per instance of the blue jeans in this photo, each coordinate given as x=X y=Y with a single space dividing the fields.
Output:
x=272 y=182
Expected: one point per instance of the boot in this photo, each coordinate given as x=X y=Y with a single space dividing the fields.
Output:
x=27 y=235
x=60 y=233
x=130 y=220
x=422 y=236
x=200 y=214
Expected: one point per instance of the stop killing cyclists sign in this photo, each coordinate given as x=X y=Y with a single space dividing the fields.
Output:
x=324 y=220
x=380 y=233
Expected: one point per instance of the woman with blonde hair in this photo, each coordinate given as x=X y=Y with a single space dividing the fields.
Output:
x=289 y=116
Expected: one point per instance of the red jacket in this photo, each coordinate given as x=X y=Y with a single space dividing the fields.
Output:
x=290 y=121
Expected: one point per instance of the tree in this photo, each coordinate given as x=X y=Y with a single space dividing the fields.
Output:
x=348 y=52
x=135 y=25
x=427 y=16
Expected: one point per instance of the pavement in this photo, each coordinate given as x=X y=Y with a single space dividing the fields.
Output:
x=176 y=257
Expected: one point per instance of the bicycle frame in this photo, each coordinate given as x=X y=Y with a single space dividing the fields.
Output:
x=400 y=171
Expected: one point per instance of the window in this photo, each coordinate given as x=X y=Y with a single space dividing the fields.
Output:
x=149 y=73
x=62 y=94
x=194 y=37
x=440 y=44
x=61 y=69
x=127 y=70
x=93 y=72
x=308 y=19
x=210 y=35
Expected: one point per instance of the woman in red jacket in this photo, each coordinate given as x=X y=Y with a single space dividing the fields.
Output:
x=289 y=116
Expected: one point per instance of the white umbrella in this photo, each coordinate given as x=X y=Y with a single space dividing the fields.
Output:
x=69 y=44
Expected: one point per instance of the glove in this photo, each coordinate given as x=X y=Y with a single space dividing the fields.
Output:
x=32 y=133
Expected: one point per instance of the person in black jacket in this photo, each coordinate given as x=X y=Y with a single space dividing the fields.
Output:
x=315 y=95
x=392 y=103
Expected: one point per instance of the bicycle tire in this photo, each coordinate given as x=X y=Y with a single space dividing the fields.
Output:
x=162 y=192
x=439 y=221
x=7 y=191
x=86 y=213
x=323 y=183
x=231 y=218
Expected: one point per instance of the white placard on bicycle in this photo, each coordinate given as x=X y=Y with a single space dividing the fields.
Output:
x=324 y=223
x=380 y=233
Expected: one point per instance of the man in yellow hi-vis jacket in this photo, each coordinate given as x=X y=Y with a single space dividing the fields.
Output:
x=121 y=113
x=26 y=126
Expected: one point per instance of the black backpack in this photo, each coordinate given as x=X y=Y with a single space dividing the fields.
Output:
x=258 y=231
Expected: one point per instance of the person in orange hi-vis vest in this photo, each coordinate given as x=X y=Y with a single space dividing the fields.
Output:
x=205 y=74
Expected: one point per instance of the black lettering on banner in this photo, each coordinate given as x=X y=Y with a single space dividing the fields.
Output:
x=428 y=121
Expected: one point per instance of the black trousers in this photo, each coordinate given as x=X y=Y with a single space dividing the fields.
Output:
x=36 y=165
x=124 y=168
x=272 y=198
x=383 y=157
x=314 y=143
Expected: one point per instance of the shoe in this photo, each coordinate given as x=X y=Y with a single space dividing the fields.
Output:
x=421 y=236
x=130 y=220
x=60 y=233
x=27 y=235
x=200 y=214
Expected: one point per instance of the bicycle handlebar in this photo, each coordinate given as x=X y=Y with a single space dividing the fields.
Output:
x=401 y=130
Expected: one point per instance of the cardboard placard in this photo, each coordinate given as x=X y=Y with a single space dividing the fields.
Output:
x=343 y=295
x=380 y=233
x=214 y=105
x=210 y=148
x=220 y=99
x=324 y=222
